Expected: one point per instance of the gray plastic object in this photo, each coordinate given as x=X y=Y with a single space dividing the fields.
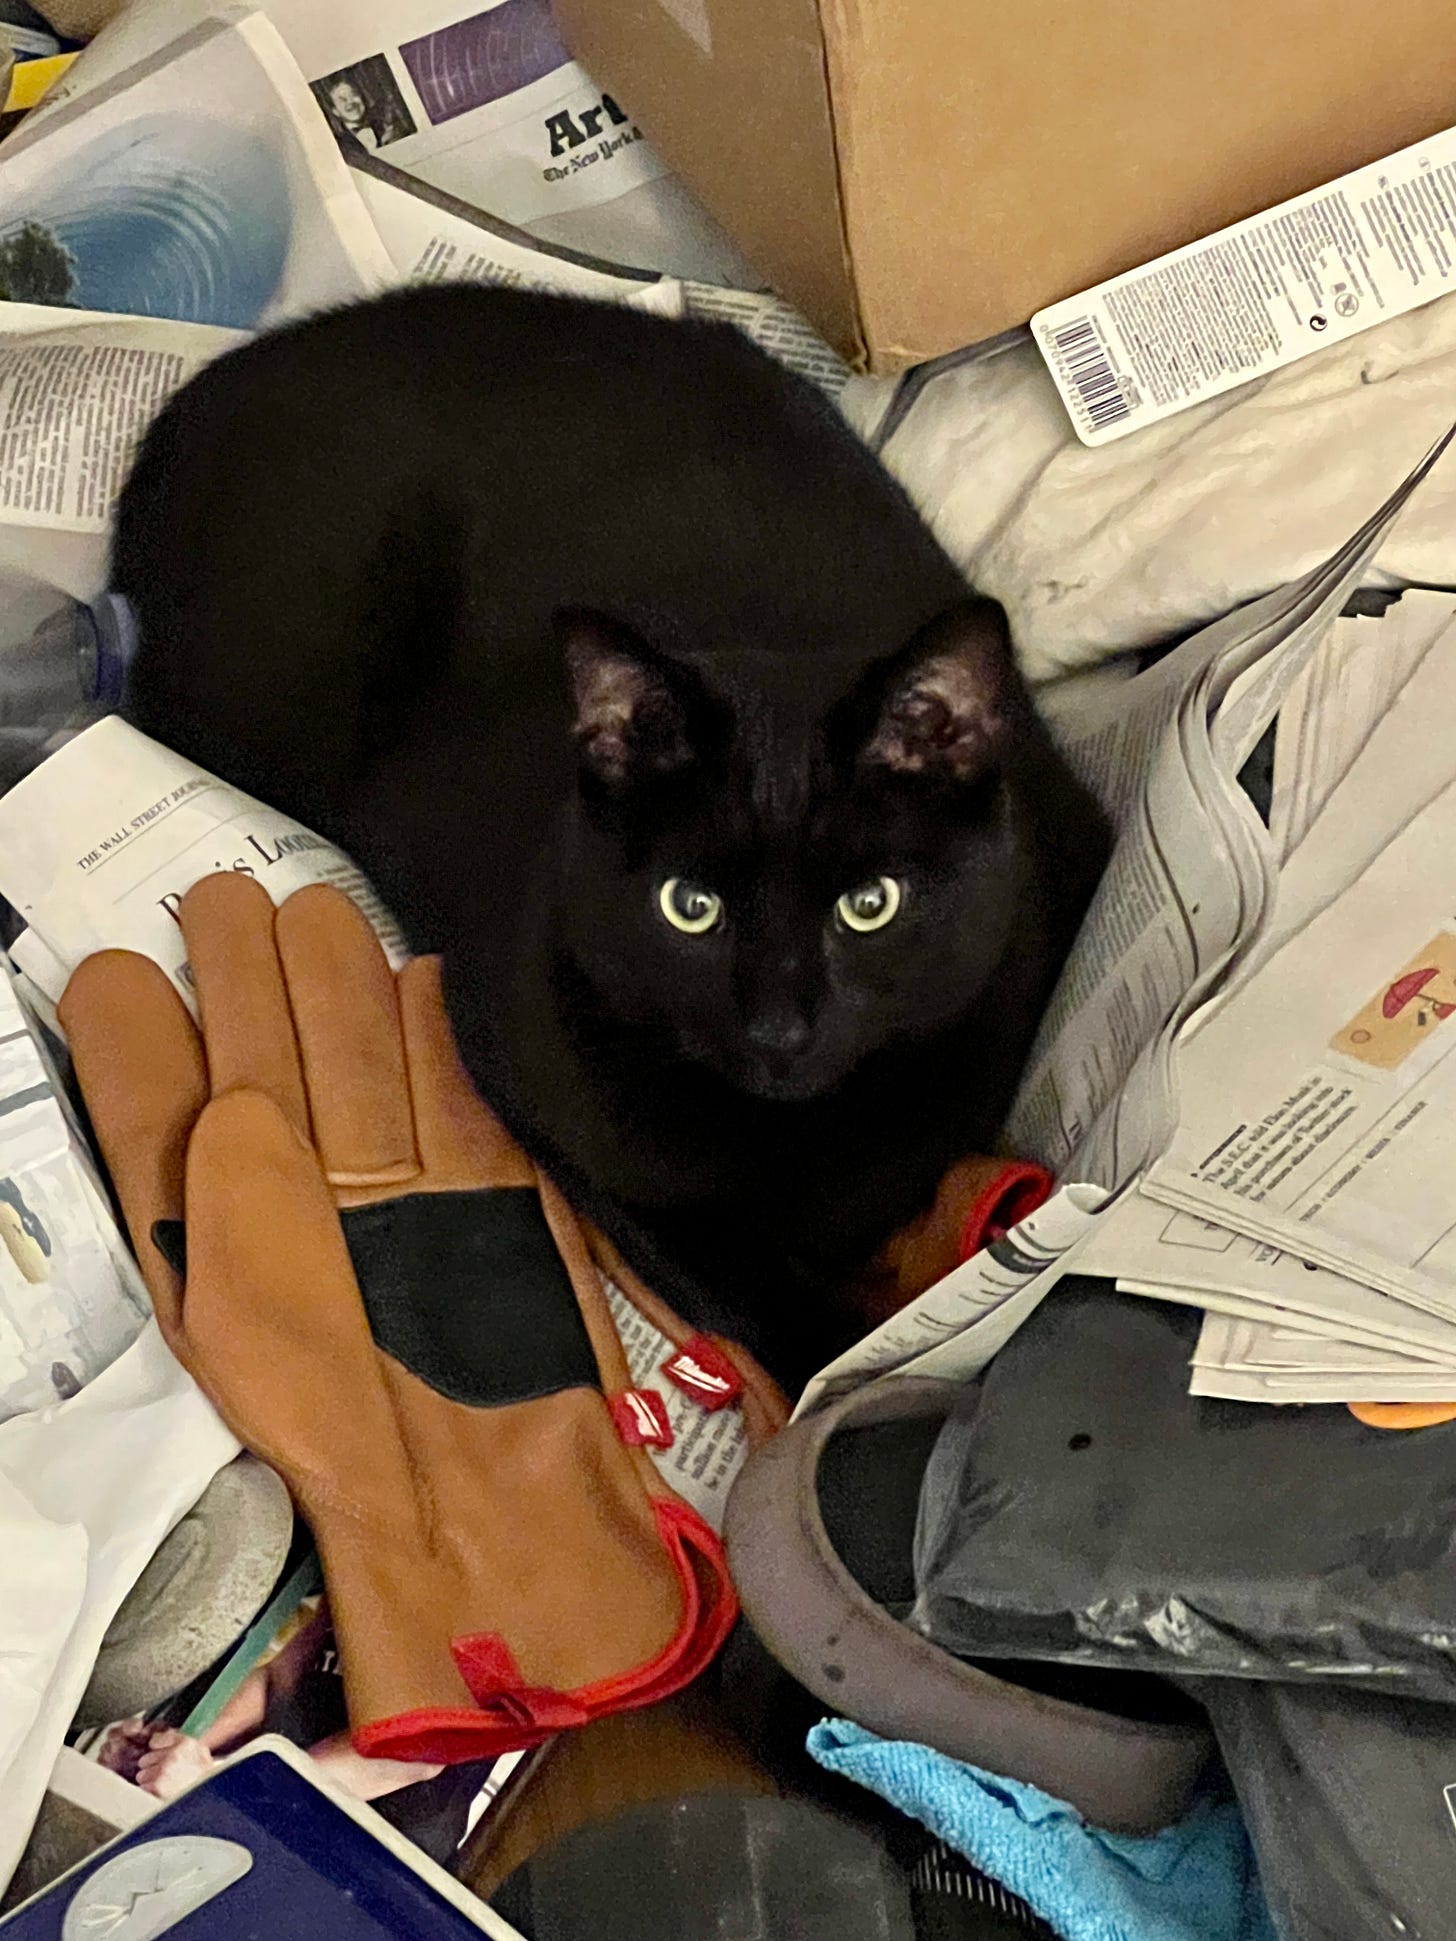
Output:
x=1080 y=1506
x=1350 y=1801
x=719 y=1867
x=206 y=1583
x=1129 y=1773
x=67 y=671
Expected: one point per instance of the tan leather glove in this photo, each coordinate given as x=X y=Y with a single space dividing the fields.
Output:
x=387 y=1303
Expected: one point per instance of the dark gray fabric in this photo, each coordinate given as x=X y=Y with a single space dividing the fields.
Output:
x=1080 y=1505
x=713 y=1867
x=1348 y=1798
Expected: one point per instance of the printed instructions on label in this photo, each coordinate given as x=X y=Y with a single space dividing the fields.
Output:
x=1266 y=292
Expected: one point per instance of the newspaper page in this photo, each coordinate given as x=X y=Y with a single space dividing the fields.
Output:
x=1260 y=1361
x=77 y=390
x=201 y=185
x=1150 y=1249
x=483 y=102
x=71 y=1299
x=953 y=1329
x=433 y=237
x=1338 y=701
x=775 y=327
x=1191 y=879
x=1316 y=1104
x=100 y=843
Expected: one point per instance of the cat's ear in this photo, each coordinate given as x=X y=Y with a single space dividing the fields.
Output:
x=941 y=709
x=630 y=712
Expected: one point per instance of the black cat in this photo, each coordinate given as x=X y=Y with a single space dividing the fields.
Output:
x=646 y=697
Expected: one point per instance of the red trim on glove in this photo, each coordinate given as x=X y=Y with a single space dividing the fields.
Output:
x=513 y=1715
x=1014 y=1194
x=702 y=1370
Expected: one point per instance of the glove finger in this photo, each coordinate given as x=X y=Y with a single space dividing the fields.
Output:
x=276 y=1327
x=461 y=1141
x=341 y=992
x=140 y=1064
x=227 y=923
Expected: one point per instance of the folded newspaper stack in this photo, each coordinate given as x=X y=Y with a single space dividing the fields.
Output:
x=1298 y=1190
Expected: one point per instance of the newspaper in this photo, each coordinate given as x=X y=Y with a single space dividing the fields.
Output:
x=1260 y=1361
x=952 y=1330
x=1151 y=1249
x=488 y=107
x=1403 y=762
x=709 y=1446
x=433 y=237
x=100 y=843
x=77 y=390
x=1348 y=688
x=1187 y=898
x=1191 y=881
x=1322 y=1123
x=200 y=185
x=97 y=847
x=71 y=1300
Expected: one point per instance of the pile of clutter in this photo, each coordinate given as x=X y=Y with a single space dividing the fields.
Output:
x=1107 y=1651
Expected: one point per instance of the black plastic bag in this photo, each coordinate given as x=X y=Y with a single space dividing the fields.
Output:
x=1081 y=1506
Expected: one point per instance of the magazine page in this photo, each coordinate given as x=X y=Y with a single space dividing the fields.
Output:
x=71 y=1300
x=283 y=1677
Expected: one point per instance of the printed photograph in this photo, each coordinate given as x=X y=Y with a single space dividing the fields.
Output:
x=364 y=104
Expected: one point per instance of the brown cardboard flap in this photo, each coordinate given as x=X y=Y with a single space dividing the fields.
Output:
x=734 y=96
x=994 y=159
x=916 y=175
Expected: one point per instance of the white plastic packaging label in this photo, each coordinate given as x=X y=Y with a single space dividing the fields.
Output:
x=1252 y=298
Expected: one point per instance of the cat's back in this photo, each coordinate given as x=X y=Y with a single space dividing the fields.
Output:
x=428 y=376
x=647 y=460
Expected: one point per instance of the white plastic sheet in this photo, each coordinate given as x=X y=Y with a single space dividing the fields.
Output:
x=1097 y=551
x=88 y=1489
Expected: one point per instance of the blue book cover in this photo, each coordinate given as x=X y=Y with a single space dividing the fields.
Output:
x=258 y=1851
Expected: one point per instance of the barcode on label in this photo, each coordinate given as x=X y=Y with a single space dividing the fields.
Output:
x=1083 y=361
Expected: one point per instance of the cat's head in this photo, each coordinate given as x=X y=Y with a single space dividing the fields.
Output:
x=784 y=863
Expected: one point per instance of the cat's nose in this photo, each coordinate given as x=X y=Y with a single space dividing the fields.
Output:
x=781 y=1031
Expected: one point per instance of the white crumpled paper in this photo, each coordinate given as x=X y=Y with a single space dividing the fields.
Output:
x=1093 y=552
x=88 y=1489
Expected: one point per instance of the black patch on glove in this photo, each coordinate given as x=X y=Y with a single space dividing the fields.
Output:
x=465 y=1289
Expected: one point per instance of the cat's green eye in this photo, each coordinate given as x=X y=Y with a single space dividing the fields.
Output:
x=871 y=906
x=689 y=907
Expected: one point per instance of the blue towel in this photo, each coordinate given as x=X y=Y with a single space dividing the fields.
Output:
x=1195 y=1881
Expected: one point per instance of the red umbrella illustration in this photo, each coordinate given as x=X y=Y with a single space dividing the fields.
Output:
x=1407 y=990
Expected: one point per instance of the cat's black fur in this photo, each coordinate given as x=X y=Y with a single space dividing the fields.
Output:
x=531 y=604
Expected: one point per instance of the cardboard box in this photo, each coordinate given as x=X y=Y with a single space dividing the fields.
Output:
x=916 y=175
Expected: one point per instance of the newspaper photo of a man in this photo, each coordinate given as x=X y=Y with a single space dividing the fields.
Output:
x=364 y=105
